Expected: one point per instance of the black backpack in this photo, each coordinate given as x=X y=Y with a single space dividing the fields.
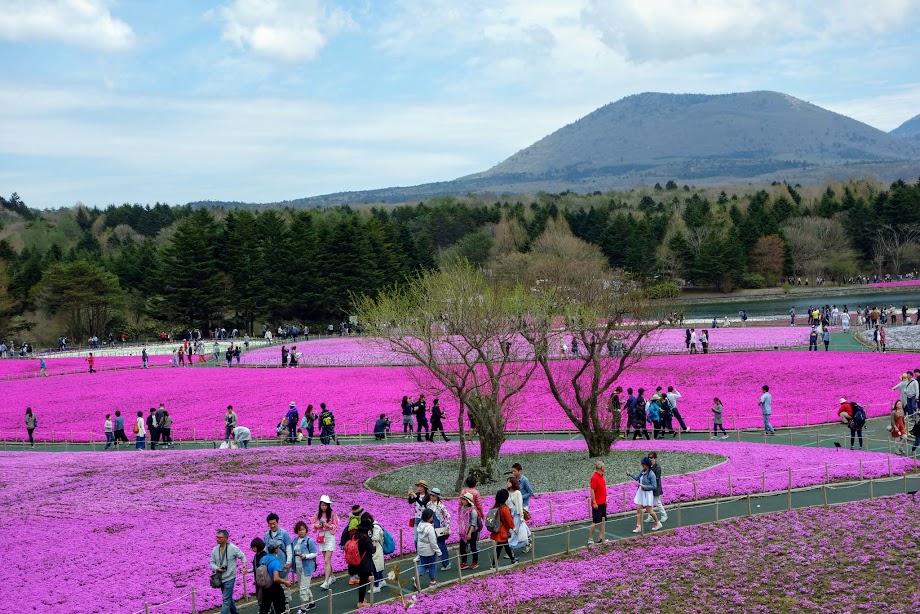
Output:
x=859 y=414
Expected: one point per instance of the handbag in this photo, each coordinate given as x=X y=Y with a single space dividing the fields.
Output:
x=321 y=538
x=216 y=579
x=526 y=515
x=136 y=429
x=412 y=522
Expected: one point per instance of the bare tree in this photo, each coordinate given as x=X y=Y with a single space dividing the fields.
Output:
x=893 y=243
x=817 y=244
x=462 y=331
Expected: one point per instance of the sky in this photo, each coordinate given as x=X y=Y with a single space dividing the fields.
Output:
x=129 y=101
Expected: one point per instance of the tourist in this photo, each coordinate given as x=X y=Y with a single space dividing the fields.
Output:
x=364 y=570
x=140 y=432
x=153 y=428
x=693 y=349
x=242 y=436
x=275 y=534
x=31 y=423
x=145 y=358
x=520 y=536
x=354 y=519
x=119 y=426
x=704 y=341
x=223 y=561
x=844 y=411
x=659 y=490
x=630 y=411
x=469 y=488
x=615 y=406
x=436 y=420
x=326 y=525
x=441 y=524
x=856 y=424
x=377 y=538
x=230 y=423
x=326 y=426
x=274 y=598
x=237 y=353
x=845 y=321
x=421 y=419
x=43 y=368
x=292 y=420
x=813 y=339
x=687 y=337
x=419 y=499
x=307 y=423
x=381 y=427
x=427 y=548
x=640 y=417
x=469 y=522
x=911 y=390
x=305 y=551
x=598 y=488
x=766 y=408
x=897 y=428
x=654 y=415
x=406 y=416
x=645 y=498
x=284 y=356
x=826 y=339
x=526 y=489
x=161 y=415
x=717 y=411
x=109 y=431
x=505 y=526
x=91 y=361
x=258 y=550
x=294 y=356
x=901 y=387
x=228 y=356
x=672 y=397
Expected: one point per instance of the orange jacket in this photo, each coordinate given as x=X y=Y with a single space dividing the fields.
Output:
x=501 y=536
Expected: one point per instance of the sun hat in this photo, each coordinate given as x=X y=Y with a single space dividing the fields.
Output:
x=436 y=491
x=293 y=403
x=468 y=497
x=325 y=499
x=422 y=483
x=842 y=400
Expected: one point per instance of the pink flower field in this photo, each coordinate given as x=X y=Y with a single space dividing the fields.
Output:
x=358 y=351
x=805 y=387
x=896 y=284
x=139 y=526
x=16 y=368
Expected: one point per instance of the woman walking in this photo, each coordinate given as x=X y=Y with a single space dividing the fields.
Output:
x=645 y=497
x=140 y=432
x=520 y=537
x=31 y=423
x=305 y=552
x=640 y=417
x=468 y=524
x=377 y=539
x=717 y=411
x=166 y=429
x=326 y=525
x=362 y=565
x=654 y=415
x=505 y=526
x=898 y=430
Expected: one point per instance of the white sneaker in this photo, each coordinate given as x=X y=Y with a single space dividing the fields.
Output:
x=332 y=580
x=662 y=519
x=324 y=586
x=713 y=437
x=637 y=530
x=657 y=526
x=648 y=519
x=377 y=589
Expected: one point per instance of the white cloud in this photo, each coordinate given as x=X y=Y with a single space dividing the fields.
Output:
x=84 y=23
x=286 y=30
x=884 y=111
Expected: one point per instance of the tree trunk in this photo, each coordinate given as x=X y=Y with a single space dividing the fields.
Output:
x=461 y=474
x=490 y=444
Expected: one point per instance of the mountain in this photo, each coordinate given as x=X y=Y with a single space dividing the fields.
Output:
x=910 y=128
x=755 y=137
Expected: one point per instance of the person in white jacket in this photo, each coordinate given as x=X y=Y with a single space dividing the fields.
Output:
x=223 y=561
x=140 y=435
x=427 y=548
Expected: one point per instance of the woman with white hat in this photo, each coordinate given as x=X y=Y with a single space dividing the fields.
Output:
x=326 y=524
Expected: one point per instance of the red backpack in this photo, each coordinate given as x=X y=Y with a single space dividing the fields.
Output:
x=352 y=555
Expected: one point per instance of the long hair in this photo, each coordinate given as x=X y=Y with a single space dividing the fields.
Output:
x=319 y=511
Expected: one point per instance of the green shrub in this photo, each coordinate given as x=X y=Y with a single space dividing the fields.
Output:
x=667 y=289
x=753 y=280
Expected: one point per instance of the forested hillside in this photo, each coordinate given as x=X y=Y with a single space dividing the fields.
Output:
x=141 y=269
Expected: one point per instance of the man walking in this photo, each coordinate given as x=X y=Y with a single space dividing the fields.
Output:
x=223 y=561
x=154 y=428
x=659 y=506
x=766 y=408
x=119 y=426
x=421 y=420
x=144 y=357
x=672 y=397
x=526 y=489
x=285 y=551
x=598 y=488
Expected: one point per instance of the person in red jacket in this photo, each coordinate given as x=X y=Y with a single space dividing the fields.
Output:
x=500 y=537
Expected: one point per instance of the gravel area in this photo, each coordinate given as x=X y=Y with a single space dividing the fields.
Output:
x=898 y=337
x=547 y=471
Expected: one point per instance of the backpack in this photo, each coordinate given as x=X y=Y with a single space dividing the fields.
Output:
x=389 y=546
x=263 y=578
x=494 y=520
x=327 y=420
x=859 y=414
x=352 y=555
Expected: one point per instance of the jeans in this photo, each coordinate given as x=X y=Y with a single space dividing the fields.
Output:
x=445 y=556
x=407 y=424
x=680 y=419
x=853 y=434
x=244 y=444
x=911 y=406
x=767 y=427
x=31 y=437
x=228 y=606
x=109 y=439
x=140 y=442
x=429 y=564
x=422 y=424
x=292 y=433
x=715 y=428
x=472 y=547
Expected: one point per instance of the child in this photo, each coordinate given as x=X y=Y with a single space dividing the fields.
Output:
x=469 y=526
x=305 y=550
x=717 y=419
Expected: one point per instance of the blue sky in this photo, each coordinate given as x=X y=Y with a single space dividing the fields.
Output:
x=112 y=101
